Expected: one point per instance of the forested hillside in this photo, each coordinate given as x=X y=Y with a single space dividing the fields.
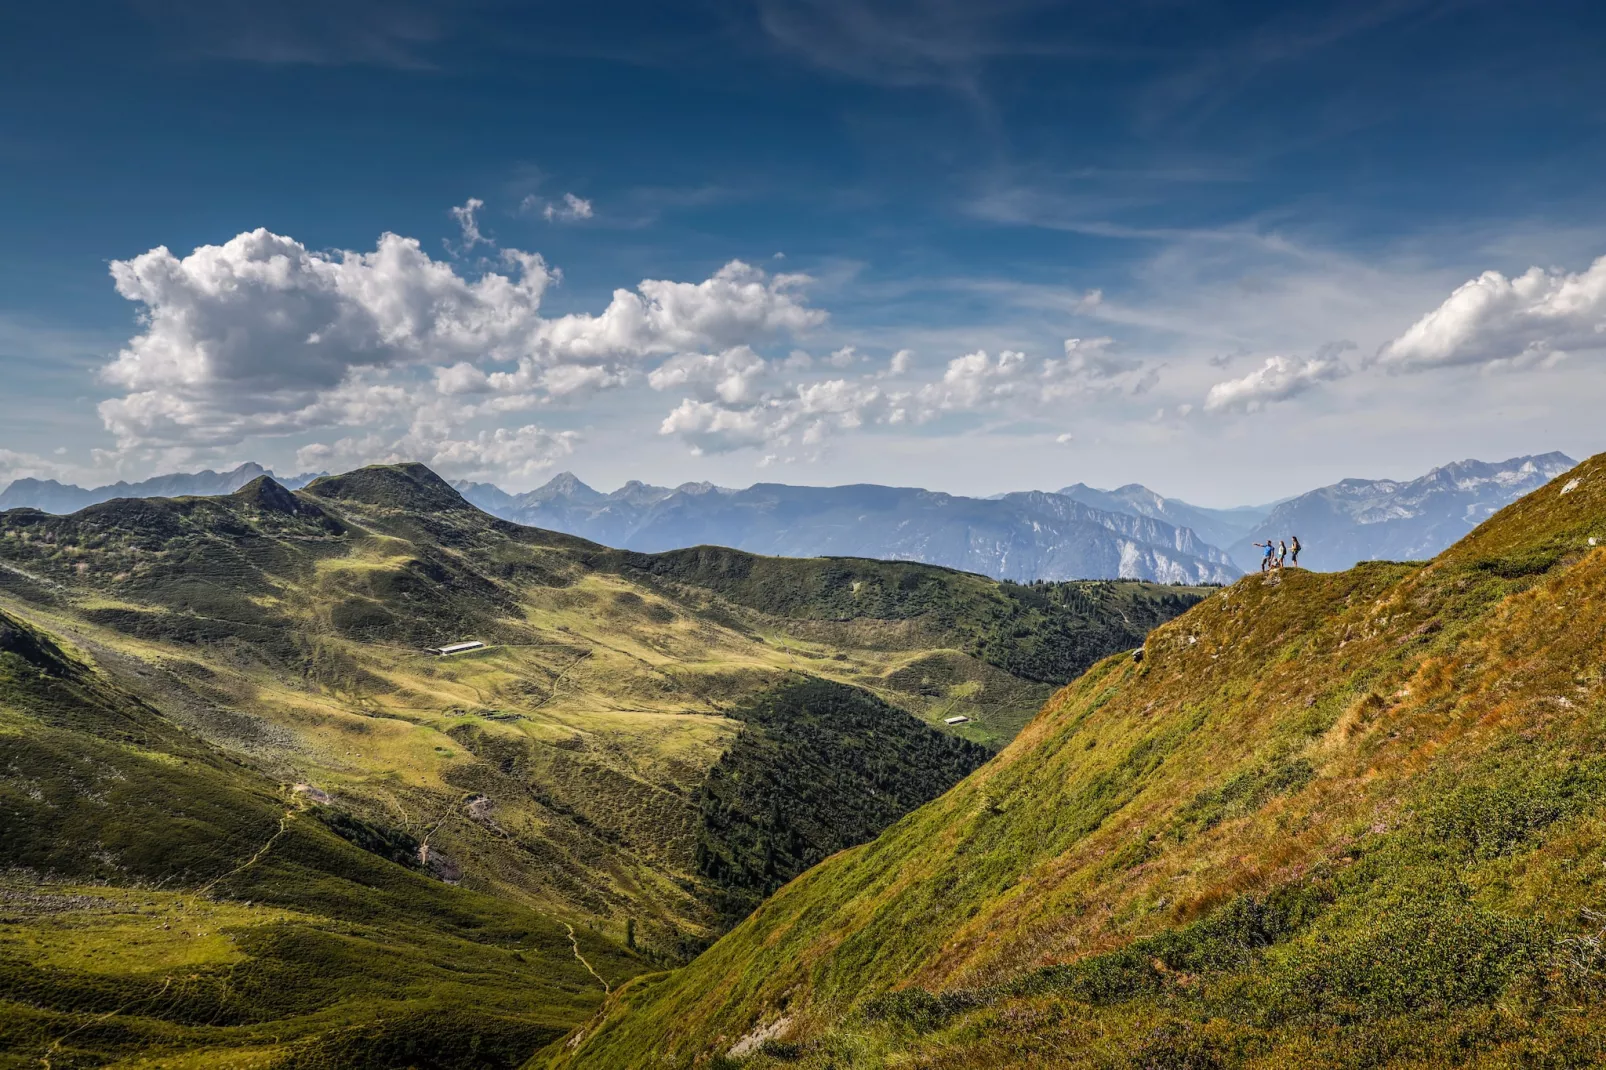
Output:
x=817 y=767
x=1349 y=819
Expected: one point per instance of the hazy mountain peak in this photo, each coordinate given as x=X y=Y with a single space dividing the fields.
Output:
x=51 y=496
x=1025 y=536
x=1400 y=520
x=704 y=487
x=1219 y=527
x=636 y=492
x=563 y=485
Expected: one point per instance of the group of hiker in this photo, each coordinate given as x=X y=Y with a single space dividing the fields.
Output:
x=1276 y=552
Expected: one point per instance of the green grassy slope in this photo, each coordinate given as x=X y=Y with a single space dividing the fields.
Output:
x=1044 y=632
x=164 y=904
x=561 y=767
x=1353 y=819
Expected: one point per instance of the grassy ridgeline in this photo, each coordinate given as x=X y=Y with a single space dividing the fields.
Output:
x=1328 y=820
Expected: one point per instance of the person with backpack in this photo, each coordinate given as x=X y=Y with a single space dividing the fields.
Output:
x=1295 y=550
x=1282 y=552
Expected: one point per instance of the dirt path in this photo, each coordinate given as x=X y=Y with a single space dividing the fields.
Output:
x=284 y=826
x=25 y=574
x=451 y=808
x=44 y=1060
x=558 y=679
x=606 y=990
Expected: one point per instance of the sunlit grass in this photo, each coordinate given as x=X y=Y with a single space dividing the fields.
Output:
x=1347 y=819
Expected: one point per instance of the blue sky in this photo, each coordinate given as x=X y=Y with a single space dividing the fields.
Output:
x=1216 y=248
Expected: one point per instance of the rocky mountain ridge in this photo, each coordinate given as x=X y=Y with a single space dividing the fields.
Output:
x=1398 y=520
x=1022 y=536
x=50 y=496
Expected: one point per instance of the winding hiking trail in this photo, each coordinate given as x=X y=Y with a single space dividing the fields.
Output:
x=44 y=1060
x=556 y=680
x=575 y=943
x=25 y=574
x=284 y=826
x=446 y=815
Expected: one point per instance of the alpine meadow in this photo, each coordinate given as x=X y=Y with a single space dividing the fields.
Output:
x=802 y=535
x=248 y=814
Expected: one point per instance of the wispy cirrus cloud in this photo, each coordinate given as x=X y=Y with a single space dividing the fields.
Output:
x=907 y=42
x=377 y=33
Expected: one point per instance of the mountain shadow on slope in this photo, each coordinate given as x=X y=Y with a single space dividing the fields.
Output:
x=818 y=767
x=409 y=486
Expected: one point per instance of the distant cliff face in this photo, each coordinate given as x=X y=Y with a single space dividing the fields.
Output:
x=1026 y=536
x=1387 y=520
x=1219 y=527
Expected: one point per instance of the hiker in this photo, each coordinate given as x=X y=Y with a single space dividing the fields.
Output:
x=1295 y=549
x=1265 y=560
x=1282 y=552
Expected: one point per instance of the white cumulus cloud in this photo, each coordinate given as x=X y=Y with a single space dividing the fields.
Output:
x=797 y=415
x=733 y=376
x=15 y=464
x=739 y=305
x=1278 y=379
x=571 y=210
x=976 y=379
x=261 y=335
x=1017 y=381
x=1536 y=317
x=708 y=427
x=257 y=334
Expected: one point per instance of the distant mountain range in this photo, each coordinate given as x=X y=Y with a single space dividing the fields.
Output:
x=1218 y=527
x=62 y=498
x=1077 y=532
x=1023 y=536
x=1384 y=519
